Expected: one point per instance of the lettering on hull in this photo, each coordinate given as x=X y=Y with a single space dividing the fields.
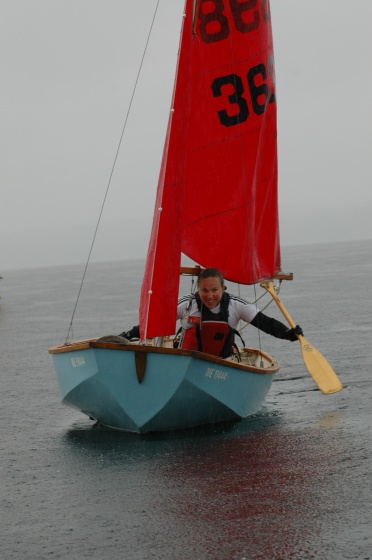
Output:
x=216 y=374
x=78 y=361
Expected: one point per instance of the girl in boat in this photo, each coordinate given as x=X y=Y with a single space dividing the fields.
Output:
x=209 y=318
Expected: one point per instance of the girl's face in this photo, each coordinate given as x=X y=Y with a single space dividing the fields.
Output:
x=210 y=291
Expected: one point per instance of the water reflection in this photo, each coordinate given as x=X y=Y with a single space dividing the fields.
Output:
x=96 y=434
x=331 y=419
x=245 y=490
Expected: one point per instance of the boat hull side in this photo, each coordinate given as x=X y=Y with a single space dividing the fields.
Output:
x=178 y=390
x=74 y=368
x=239 y=390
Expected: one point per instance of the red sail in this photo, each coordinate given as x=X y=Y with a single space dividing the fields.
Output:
x=217 y=191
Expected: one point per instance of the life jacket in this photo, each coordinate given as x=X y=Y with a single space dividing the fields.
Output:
x=190 y=338
x=210 y=333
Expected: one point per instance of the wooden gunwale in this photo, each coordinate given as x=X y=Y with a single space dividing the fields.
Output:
x=92 y=343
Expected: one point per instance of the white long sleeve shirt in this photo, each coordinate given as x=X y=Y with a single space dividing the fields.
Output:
x=239 y=309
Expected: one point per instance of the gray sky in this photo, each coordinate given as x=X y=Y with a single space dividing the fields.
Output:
x=67 y=73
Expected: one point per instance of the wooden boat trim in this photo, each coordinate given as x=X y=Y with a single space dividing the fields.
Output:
x=191 y=270
x=283 y=275
x=145 y=349
x=71 y=346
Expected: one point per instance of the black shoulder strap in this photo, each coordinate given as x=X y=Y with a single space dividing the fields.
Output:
x=239 y=335
x=225 y=300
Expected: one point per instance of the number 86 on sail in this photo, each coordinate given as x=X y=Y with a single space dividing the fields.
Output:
x=214 y=23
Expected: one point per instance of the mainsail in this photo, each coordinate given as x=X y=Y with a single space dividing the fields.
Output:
x=217 y=192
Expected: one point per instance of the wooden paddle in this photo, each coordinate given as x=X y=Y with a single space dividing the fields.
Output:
x=316 y=364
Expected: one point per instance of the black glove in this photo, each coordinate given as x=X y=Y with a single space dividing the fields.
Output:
x=134 y=333
x=291 y=333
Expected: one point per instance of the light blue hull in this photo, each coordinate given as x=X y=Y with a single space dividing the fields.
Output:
x=179 y=389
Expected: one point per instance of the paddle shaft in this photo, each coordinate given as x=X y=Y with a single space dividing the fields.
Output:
x=290 y=321
x=316 y=364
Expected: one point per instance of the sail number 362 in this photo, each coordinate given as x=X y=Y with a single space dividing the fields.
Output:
x=259 y=93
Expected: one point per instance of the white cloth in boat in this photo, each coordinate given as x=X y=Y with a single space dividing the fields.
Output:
x=239 y=309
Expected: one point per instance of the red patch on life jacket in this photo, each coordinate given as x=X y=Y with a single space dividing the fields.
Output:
x=192 y=320
x=190 y=340
x=213 y=336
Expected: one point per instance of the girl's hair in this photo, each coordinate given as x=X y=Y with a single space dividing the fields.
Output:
x=211 y=272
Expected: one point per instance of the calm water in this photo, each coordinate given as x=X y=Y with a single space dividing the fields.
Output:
x=293 y=482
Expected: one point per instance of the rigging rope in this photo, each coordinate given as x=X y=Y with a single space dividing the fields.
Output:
x=112 y=170
x=262 y=309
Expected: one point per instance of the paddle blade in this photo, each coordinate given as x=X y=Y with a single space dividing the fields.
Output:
x=319 y=369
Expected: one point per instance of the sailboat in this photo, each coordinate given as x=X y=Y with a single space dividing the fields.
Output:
x=216 y=203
